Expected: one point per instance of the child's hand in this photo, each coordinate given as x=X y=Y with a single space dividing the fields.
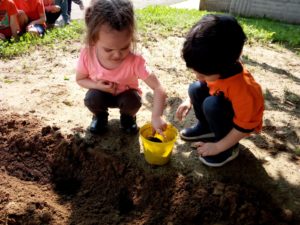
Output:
x=2 y=36
x=158 y=126
x=206 y=149
x=183 y=109
x=107 y=86
x=55 y=8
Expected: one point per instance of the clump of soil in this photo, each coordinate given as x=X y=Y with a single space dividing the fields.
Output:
x=50 y=178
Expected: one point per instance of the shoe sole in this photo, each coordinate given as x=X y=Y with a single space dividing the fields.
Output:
x=235 y=154
x=197 y=138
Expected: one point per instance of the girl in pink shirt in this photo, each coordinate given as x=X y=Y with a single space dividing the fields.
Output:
x=109 y=69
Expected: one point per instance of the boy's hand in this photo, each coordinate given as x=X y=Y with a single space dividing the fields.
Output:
x=107 y=86
x=183 y=109
x=158 y=126
x=206 y=149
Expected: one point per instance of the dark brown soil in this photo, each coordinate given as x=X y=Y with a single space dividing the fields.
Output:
x=90 y=184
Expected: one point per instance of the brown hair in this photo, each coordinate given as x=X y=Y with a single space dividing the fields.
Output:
x=118 y=14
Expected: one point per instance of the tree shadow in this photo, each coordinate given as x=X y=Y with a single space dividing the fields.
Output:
x=106 y=180
x=118 y=186
x=272 y=69
x=246 y=171
x=277 y=139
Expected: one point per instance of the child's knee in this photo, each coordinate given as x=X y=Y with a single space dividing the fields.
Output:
x=130 y=102
x=91 y=99
x=196 y=90
x=212 y=105
x=217 y=106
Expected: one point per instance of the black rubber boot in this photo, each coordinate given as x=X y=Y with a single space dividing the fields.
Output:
x=128 y=124
x=99 y=123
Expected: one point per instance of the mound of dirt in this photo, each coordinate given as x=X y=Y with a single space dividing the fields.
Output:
x=49 y=178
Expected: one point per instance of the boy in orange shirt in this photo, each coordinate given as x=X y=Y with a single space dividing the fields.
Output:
x=35 y=12
x=227 y=101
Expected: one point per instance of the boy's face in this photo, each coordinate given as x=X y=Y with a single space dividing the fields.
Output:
x=203 y=77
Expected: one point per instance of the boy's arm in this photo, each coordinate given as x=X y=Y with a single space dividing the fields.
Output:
x=14 y=25
x=183 y=109
x=233 y=137
x=209 y=148
x=159 y=100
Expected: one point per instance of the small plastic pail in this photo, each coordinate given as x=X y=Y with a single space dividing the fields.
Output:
x=158 y=149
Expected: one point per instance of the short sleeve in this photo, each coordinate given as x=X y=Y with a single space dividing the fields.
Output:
x=40 y=7
x=82 y=62
x=248 y=105
x=12 y=9
x=141 y=68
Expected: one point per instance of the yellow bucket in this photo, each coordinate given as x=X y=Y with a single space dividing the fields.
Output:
x=158 y=149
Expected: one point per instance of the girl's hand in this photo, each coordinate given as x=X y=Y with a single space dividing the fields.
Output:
x=183 y=109
x=158 y=126
x=206 y=149
x=107 y=86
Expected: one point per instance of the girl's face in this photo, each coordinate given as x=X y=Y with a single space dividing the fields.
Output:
x=113 y=46
x=203 y=77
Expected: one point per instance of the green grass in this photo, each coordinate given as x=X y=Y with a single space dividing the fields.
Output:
x=55 y=37
x=162 y=21
x=165 y=20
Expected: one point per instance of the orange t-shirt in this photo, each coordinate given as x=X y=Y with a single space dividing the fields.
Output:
x=33 y=8
x=246 y=97
x=7 y=9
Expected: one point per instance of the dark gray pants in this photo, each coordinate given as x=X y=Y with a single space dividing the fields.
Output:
x=129 y=102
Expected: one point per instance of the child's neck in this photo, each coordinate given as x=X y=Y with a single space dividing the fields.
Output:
x=107 y=64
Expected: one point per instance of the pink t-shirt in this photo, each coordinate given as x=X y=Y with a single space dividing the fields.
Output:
x=126 y=75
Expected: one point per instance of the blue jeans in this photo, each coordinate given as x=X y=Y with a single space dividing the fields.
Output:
x=64 y=10
x=213 y=112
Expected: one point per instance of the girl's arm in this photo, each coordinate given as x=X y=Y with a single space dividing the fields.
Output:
x=84 y=81
x=159 y=100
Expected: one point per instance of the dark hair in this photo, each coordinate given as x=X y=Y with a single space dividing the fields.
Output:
x=118 y=14
x=214 y=45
